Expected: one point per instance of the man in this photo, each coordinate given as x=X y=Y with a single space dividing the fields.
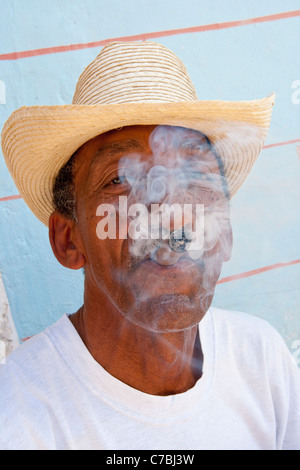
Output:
x=134 y=181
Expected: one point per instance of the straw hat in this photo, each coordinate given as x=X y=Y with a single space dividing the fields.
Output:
x=128 y=84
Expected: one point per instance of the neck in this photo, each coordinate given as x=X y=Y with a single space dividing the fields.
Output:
x=154 y=363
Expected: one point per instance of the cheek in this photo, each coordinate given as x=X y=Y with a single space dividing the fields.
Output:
x=203 y=194
x=103 y=232
x=217 y=248
x=106 y=251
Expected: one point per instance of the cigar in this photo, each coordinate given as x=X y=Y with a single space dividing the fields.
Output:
x=168 y=253
x=180 y=240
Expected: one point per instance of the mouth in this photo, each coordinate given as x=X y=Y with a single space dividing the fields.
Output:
x=182 y=267
x=170 y=254
x=150 y=280
x=162 y=256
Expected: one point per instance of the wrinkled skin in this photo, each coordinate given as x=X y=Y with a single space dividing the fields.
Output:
x=140 y=319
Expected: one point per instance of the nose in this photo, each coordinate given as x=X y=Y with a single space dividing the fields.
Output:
x=163 y=187
x=167 y=254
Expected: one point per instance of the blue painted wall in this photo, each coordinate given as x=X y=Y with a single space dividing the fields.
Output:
x=240 y=63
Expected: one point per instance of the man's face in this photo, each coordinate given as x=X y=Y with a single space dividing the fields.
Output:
x=151 y=165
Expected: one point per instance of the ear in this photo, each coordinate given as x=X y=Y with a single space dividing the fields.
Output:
x=63 y=238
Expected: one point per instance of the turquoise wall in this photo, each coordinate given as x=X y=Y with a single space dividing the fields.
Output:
x=232 y=63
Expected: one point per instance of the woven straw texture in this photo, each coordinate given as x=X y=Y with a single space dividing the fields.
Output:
x=128 y=84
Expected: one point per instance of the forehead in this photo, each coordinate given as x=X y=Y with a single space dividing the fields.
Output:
x=177 y=149
x=142 y=134
x=141 y=140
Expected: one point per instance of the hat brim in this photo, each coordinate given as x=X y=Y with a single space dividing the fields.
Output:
x=38 y=140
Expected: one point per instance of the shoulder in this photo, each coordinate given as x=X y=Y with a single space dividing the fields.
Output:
x=250 y=340
x=255 y=358
x=27 y=380
x=34 y=355
x=244 y=325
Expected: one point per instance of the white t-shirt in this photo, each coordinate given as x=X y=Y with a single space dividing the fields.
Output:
x=54 y=395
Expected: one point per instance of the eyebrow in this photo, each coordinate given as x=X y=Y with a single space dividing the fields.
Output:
x=116 y=148
x=112 y=149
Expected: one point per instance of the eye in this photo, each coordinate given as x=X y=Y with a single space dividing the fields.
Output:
x=194 y=175
x=202 y=176
x=197 y=174
x=118 y=180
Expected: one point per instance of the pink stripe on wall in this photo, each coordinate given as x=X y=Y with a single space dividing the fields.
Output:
x=287 y=142
x=10 y=198
x=254 y=272
x=153 y=35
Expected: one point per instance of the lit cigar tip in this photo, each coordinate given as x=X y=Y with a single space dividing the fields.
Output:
x=180 y=240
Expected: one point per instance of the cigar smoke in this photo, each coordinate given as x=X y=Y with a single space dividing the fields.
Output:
x=166 y=279
x=177 y=180
x=175 y=190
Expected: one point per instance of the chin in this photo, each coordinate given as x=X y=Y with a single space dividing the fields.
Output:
x=168 y=313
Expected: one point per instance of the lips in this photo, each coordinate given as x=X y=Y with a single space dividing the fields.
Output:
x=183 y=266
x=149 y=279
x=165 y=256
